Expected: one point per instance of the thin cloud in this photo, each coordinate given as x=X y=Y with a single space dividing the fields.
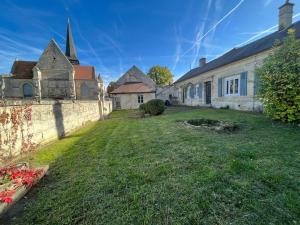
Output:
x=259 y=34
x=199 y=39
x=20 y=44
x=178 y=48
x=267 y=3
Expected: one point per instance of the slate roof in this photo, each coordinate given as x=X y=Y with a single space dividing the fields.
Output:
x=70 y=46
x=243 y=52
x=23 y=69
x=131 y=88
x=84 y=72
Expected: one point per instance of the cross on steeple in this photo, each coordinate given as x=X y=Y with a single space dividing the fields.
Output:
x=70 y=46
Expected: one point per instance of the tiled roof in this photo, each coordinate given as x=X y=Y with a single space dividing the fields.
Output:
x=23 y=69
x=135 y=75
x=84 y=72
x=237 y=54
x=129 y=88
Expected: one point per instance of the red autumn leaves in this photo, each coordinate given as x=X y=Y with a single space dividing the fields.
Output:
x=14 y=177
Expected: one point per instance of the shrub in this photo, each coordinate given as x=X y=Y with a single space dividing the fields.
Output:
x=280 y=81
x=143 y=107
x=142 y=110
x=153 y=107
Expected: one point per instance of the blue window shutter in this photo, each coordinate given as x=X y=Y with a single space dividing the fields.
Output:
x=244 y=81
x=256 y=84
x=220 y=88
x=192 y=91
x=200 y=90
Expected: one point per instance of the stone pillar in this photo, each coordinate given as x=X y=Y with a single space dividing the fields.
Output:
x=100 y=90
x=2 y=83
x=37 y=76
x=72 y=86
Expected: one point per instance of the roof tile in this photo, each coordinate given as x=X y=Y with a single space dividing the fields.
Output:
x=129 y=88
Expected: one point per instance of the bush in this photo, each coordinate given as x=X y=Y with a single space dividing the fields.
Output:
x=143 y=107
x=280 y=81
x=153 y=107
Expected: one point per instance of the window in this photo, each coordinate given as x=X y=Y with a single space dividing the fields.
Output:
x=188 y=92
x=27 y=90
x=232 y=86
x=140 y=99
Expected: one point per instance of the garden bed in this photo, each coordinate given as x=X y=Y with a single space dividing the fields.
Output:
x=15 y=182
x=216 y=125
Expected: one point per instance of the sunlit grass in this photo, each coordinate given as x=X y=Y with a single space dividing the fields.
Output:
x=157 y=171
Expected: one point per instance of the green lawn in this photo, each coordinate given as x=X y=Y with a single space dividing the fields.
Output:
x=157 y=171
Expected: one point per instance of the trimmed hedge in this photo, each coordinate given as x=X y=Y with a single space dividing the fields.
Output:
x=153 y=107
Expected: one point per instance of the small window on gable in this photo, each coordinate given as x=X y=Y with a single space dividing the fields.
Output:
x=232 y=86
x=140 y=99
x=27 y=90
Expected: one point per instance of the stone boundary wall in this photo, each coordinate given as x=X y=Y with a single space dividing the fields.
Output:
x=24 y=125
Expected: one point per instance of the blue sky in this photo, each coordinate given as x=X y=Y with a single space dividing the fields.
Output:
x=113 y=35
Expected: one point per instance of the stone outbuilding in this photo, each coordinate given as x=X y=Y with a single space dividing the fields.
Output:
x=133 y=89
x=54 y=76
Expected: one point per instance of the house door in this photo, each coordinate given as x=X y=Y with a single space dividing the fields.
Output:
x=118 y=103
x=208 y=92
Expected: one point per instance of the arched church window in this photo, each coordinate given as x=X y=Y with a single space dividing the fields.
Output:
x=27 y=90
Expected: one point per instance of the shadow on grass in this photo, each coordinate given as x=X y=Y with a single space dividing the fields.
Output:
x=66 y=157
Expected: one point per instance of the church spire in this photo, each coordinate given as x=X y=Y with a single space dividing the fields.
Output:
x=70 y=46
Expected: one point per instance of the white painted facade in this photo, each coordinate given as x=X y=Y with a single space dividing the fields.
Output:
x=131 y=101
x=249 y=102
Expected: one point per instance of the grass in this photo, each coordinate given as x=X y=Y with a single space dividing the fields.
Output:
x=157 y=171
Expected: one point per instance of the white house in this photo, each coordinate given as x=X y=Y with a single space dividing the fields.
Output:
x=230 y=80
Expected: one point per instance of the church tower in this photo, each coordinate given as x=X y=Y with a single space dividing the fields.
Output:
x=70 y=46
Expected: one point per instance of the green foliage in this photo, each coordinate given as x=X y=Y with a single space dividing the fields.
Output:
x=161 y=75
x=154 y=107
x=111 y=86
x=279 y=79
x=143 y=107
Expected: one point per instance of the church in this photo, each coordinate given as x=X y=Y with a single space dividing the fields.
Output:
x=54 y=76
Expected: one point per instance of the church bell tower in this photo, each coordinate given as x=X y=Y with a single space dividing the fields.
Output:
x=70 y=46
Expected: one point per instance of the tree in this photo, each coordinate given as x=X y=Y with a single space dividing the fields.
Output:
x=160 y=75
x=279 y=79
x=111 y=86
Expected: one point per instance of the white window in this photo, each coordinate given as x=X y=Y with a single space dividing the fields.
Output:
x=140 y=99
x=232 y=86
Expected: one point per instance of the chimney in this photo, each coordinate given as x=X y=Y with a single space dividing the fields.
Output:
x=286 y=15
x=202 y=62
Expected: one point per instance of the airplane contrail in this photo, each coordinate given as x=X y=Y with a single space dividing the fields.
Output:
x=263 y=32
x=214 y=27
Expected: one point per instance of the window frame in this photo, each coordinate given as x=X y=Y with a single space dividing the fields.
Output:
x=227 y=81
x=23 y=90
x=140 y=99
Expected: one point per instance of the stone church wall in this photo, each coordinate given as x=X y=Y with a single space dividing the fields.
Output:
x=55 y=88
x=25 y=125
x=14 y=87
x=86 y=89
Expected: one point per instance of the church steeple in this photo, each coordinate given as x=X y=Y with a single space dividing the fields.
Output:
x=70 y=46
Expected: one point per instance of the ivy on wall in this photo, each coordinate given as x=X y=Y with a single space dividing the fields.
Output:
x=15 y=124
